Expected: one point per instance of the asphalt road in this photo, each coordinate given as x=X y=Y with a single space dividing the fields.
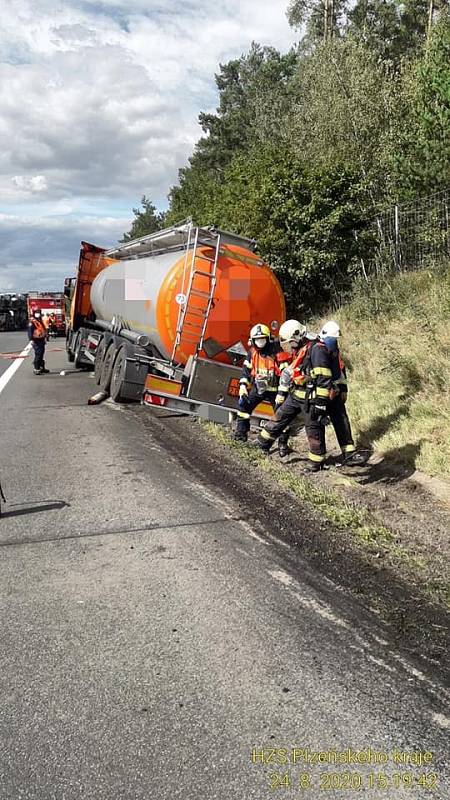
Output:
x=11 y=344
x=151 y=638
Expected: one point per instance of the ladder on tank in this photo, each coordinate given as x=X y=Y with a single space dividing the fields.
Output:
x=193 y=316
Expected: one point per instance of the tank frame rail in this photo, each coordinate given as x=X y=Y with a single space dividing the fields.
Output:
x=175 y=238
x=212 y=412
x=193 y=319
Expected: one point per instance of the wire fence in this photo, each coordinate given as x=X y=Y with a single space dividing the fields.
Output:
x=412 y=235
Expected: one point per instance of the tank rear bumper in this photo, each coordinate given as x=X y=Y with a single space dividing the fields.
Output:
x=211 y=393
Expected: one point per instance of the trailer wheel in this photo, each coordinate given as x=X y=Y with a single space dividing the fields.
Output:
x=70 y=354
x=107 y=368
x=99 y=356
x=118 y=376
x=78 y=363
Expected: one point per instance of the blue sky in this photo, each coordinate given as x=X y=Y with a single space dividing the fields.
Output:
x=99 y=103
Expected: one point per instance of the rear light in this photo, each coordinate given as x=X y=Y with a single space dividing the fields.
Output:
x=154 y=400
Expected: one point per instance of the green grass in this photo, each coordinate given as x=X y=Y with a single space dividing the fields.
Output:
x=396 y=341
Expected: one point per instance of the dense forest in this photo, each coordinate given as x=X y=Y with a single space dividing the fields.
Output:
x=306 y=147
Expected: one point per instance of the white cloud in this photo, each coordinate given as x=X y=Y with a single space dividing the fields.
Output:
x=34 y=183
x=100 y=99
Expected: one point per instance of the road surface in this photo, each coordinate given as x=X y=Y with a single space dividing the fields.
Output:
x=155 y=645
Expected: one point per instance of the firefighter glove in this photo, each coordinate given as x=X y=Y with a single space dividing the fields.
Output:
x=279 y=399
x=243 y=391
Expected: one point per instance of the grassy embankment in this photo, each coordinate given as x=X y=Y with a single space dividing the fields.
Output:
x=396 y=340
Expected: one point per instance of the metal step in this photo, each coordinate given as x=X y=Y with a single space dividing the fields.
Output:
x=198 y=293
x=204 y=274
x=196 y=312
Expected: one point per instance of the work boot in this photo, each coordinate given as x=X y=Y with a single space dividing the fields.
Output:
x=283 y=449
x=37 y=372
x=43 y=371
x=240 y=437
x=353 y=459
x=313 y=466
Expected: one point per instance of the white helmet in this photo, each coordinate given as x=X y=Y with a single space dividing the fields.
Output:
x=331 y=329
x=291 y=333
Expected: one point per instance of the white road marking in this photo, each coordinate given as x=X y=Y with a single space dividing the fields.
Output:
x=6 y=377
x=281 y=576
x=441 y=720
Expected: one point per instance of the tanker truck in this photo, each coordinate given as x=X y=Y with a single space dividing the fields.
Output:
x=165 y=318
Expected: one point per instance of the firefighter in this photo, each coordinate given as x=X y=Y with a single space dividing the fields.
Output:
x=259 y=381
x=37 y=335
x=291 y=395
x=51 y=324
x=328 y=389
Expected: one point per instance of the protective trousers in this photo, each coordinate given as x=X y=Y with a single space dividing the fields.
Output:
x=341 y=424
x=273 y=430
x=315 y=430
x=39 y=350
x=246 y=408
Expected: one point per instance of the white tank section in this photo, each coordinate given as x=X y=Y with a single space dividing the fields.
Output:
x=130 y=289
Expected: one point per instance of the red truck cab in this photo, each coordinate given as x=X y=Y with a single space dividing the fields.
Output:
x=49 y=303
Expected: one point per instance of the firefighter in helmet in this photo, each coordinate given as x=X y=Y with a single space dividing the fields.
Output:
x=259 y=381
x=290 y=399
x=328 y=398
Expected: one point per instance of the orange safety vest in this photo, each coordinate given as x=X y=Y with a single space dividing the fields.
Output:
x=264 y=366
x=39 y=329
x=300 y=364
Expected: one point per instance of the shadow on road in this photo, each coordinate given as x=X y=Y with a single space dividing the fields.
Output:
x=20 y=509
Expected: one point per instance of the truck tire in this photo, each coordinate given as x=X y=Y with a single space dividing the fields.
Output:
x=118 y=376
x=78 y=363
x=70 y=354
x=107 y=367
x=99 y=356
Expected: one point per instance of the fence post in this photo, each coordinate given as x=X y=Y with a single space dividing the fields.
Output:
x=397 y=251
x=447 y=228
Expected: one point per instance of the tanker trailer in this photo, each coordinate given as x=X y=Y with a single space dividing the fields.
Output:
x=169 y=315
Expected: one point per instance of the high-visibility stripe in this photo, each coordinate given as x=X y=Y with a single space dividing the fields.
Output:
x=247 y=364
x=349 y=448
x=264 y=435
x=244 y=382
x=326 y=371
x=300 y=394
x=322 y=392
x=243 y=415
x=317 y=459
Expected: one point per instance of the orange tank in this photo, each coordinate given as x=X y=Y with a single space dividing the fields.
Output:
x=149 y=292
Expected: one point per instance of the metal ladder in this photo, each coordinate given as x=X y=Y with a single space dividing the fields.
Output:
x=193 y=319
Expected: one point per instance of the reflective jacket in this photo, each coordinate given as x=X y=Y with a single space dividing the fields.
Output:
x=296 y=375
x=36 y=329
x=328 y=374
x=262 y=368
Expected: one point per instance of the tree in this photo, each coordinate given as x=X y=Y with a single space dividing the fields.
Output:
x=422 y=160
x=394 y=29
x=147 y=220
x=304 y=219
x=344 y=104
x=254 y=97
x=320 y=18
